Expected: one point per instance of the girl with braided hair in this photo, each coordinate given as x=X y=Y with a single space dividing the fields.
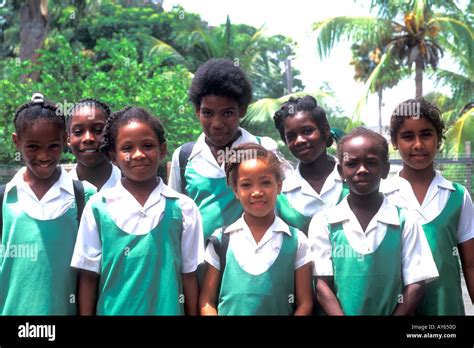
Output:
x=39 y=219
x=315 y=184
x=85 y=128
x=139 y=242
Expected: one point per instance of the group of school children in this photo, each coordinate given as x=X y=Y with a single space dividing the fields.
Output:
x=240 y=234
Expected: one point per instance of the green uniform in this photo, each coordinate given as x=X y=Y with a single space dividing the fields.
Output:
x=216 y=201
x=369 y=284
x=286 y=211
x=443 y=296
x=269 y=293
x=40 y=282
x=141 y=274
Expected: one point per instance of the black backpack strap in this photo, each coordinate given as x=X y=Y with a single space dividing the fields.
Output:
x=220 y=246
x=80 y=198
x=184 y=154
x=2 y=194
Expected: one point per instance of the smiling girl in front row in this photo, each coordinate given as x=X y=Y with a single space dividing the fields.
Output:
x=268 y=263
x=370 y=259
x=40 y=213
x=443 y=207
x=140 y=242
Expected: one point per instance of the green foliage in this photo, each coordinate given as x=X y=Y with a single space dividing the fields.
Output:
x=111 y=72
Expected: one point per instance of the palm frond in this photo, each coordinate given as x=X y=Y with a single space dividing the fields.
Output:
x=460 y=132
x=385 y=61
x=367 y=29
x=259 y=118
x=458 y=32
x=162 y=48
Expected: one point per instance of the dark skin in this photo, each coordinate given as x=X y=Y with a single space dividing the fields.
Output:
x=41 y=144
x=308 y=143
x=97 y=176
x=219 y=117
x=85 y=136
x=417 y=142
x=138 y=153
x=316 y=172
x=363 y=168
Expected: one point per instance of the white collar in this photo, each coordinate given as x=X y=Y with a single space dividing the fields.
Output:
x=200 y=145
x=438 y=180
x=64 y=182
x=387 y=213
x=296 y=181
x=278 y=225
x=115 y=175
x=119 y=192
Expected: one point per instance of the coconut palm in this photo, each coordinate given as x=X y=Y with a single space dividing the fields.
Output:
x=416 y=34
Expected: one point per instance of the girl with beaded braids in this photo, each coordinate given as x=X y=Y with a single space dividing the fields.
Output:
x=139 y=242
x=315 y=184
x=39 y=219
x=85 y=128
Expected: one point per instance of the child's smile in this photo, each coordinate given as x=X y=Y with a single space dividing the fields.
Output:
x=303 y=137
x=85 y=136
x=41 y=145
x=138 y=152
x=417 y=142
x=257 y=188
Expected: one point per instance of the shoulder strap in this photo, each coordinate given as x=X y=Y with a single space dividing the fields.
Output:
x=2 y=194
x=184 y=154
x=221 y=246
x=80 y=198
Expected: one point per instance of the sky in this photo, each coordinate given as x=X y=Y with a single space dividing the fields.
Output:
x=294 y=19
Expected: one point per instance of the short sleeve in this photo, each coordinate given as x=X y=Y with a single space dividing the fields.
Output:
x=192 y=242
x=174 y=180
x=318 y=234
x=303 y=254
x=88 y=248
x=211 y=256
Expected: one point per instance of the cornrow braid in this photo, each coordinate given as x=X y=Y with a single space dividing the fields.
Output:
x=125 y=116
x=29 y=112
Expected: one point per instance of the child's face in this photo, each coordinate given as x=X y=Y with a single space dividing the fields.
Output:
x=303 y=137
x=219 y=117
x=417 y=143
x=138 y=152
x=257 y=188
x=362 y=167
x=41 y=144
x=85 y=136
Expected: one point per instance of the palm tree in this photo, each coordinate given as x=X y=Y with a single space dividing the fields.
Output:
x=365 y=59
x=226 y=42
x=417 y=38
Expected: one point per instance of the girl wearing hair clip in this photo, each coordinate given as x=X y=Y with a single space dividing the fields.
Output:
x=40 y=218
x=315 y=184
